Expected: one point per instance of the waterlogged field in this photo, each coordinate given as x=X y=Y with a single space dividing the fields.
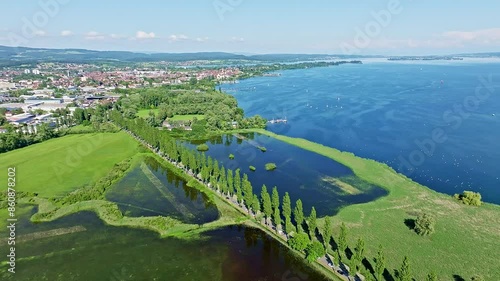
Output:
x=81 y=247
x=317 y=180
x=151 y=190
x=58 y=166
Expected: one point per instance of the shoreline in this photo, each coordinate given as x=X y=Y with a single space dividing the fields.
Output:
x=404 y=197
x=354 y=162
x=382 y=221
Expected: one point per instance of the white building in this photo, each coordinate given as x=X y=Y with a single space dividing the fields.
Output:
x=6 y=85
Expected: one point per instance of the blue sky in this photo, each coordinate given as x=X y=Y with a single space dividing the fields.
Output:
x=255 y=26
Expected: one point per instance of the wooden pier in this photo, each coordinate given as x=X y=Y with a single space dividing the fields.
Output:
x=282 y=120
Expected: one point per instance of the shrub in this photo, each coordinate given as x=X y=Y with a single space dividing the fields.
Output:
x=231 y=156
x=252 y=168
x=469 y=198
x=270 y=166
x=202 y=147
x=299 y=241
x=424 y=224
x=263 y=149
x=314 y=251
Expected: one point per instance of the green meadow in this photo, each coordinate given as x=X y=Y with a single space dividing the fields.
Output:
x=58 y=166
x=187 y=117
x=143 y=113
x=466 y=238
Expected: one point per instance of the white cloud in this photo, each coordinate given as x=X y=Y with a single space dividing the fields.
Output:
x=237 y=39
x=144 y=35
x=39 y=33
x=490 y=34
x=116 y=36
x=93 y=35
x=175 y=38
x=200 y=39
x=66 y=33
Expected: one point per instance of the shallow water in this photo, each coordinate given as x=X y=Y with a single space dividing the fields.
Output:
x=391 y=112
x=151 y=190
x=119 y=254
x=301 y=173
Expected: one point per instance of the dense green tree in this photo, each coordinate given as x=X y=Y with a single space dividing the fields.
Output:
x=314 y=251
x=204 y=174
x=404 y=274
x=275 y=199
x=327 y=231
x=477 y=278
x=311 y=222
x=342 y=243
x=222 y=186
x=359 y=252
x=230 y=181
x=248 y=193
x=255 y=204
x=379 y=264
x=210 y=165
x=470 y=198
x=289 y=227
x=298 y=214
x=266 y=202
x=216 y=172
x=424 y=224
x=299 y=241
x=277 y=219
x=237 y=185
x=287 y=206
x=222 y=172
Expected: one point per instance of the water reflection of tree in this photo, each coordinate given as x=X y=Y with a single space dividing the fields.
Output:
x=228 y=140
x=190 y=192
x=251 y=237
x=216 y=140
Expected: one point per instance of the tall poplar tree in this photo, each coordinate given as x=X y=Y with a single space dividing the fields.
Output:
x=298 y=214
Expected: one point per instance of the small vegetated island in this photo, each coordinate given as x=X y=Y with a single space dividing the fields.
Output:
x=270 y=166
x=369 y=240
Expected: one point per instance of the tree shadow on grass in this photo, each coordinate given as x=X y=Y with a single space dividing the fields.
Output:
x=349 y=253
x=387 y=275
x=368 y=265
x=410 y=223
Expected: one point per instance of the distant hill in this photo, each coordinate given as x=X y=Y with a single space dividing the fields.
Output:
x=24 y=55
x=481 y=55
x=17 y=55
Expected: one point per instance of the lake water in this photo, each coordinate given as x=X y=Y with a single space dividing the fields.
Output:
x=304 y=175
x=101 y=252
x=151 y=190
x=438 y=123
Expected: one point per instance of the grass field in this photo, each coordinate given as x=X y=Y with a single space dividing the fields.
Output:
x=187 y=117
x=466 y=241
x=143 y=113
x=58 y=166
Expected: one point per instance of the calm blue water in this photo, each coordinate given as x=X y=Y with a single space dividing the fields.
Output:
x=303 y=174
x=437 y=123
